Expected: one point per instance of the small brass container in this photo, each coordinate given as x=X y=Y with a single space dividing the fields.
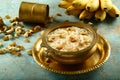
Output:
x=70 y=57
x=33 y=12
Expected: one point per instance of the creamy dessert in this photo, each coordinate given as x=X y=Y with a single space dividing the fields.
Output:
x=69 y=39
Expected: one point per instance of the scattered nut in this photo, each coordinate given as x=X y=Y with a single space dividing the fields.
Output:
x=5 y=38
x=2 y=52
x=51 y=39
x=21 y=47
x=10 y=30
x=18 y=30
x=58 y=14
x=12 y=52
x=13 y=44
x=19 y=54
x=27 y=40
x=7 y=17
x=29 y=52
x=71 y=28
x=5 y=49
x=62 y=36
x=36 y=28
x=14 y=23
x=83 y=32
x=23 y=32
x=16 y=35
x=28 y=33
x=20 y=25
x=12 y=48
x=47 y=60
x=5 y=28
x=14 y=19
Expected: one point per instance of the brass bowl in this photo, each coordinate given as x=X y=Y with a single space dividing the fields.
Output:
x=70 y=57
x=99 y=57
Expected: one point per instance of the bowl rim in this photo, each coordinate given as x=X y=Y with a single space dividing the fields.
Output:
x=68 y=24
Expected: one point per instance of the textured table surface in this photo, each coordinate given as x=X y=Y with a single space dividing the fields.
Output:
x=25 y=68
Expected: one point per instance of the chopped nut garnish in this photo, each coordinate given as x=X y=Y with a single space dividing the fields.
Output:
x=21 y=47
x=73 y=39
x=80 y=44
x=51 y=39
x=62 y=36
x=14 y=23
x=26 y=34
x=5 y=49
x=59 y=47
x=16 y=35
x=1 y=23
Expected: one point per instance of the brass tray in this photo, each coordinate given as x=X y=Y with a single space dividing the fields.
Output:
x=100 y=56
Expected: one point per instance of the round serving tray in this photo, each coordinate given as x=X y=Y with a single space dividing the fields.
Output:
x=98 y=58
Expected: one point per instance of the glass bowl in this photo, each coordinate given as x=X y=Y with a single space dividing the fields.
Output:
x=70 y=56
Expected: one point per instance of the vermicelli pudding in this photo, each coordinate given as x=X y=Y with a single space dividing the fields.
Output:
x=70 y=39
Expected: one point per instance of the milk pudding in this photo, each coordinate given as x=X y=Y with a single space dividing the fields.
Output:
x=69 y=39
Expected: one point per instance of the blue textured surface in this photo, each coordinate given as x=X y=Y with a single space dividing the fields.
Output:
x=25 y=68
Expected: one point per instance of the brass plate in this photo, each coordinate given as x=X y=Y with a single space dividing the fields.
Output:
x=96 y=60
